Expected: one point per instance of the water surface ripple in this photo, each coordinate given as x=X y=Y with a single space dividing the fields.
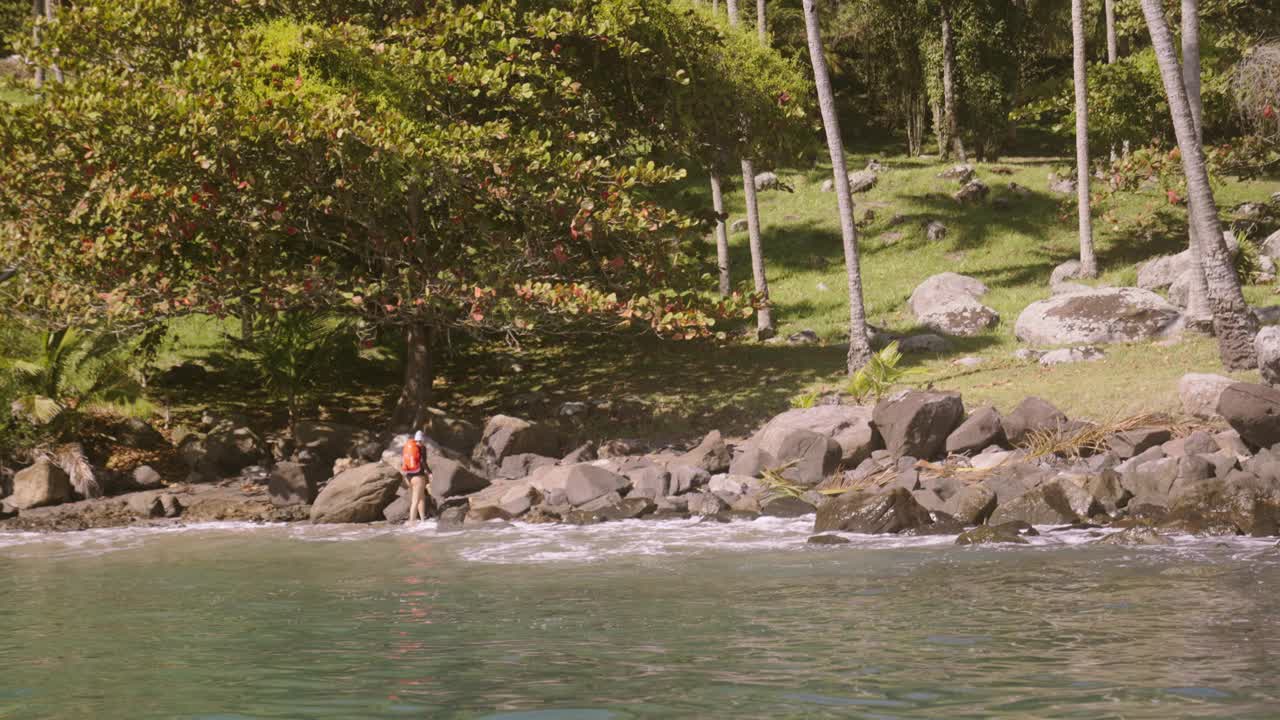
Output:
x=629 y=620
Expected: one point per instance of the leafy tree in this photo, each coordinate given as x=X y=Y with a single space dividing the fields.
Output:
x=483 y=168
x=292 y=351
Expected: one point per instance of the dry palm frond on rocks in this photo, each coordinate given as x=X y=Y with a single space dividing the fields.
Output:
x=1078 y=440
x=71 y=459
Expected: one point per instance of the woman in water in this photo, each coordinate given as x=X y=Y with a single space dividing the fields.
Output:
x=414 y=467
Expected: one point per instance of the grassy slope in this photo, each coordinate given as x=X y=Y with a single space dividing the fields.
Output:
x=1012 y=250
x=694 y=387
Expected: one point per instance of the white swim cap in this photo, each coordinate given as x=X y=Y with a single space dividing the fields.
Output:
x=420 y=436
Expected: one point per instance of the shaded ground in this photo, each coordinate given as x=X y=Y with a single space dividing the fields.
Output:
x=692 y=387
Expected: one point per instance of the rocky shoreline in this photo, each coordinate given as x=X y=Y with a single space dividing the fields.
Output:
x=916 y=463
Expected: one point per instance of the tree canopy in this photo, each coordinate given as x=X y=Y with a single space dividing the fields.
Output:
x=487 y=166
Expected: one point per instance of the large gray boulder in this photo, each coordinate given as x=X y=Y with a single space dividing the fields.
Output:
x=801 y=456
x=848 y=425
x=41 y=484
x=1161 y=272
x=328 y=441
x=972 y=505
x=1033 y=415
x=982 y=429
x=861 y=512
x=1267 y=345
x=358 y=495
x=453 y=477
x=1253 y=411
x=1201 y=392
x=577 y=484
x=223 y=453
x=1271 y=246
x=949 y=303
x=711 y=455
x=1100 y=315
x=502 y=501
x=917 y=423
x=1057 y=502
x=505 y=435
x=862 y=181
x=293 y=483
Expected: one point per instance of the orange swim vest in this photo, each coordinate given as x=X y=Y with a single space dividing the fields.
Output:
x=412 y=457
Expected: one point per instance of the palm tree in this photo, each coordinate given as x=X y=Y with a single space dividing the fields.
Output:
x=1088 y=263
x=859 y=347
x=1199 y=314
x=722 y=234
x=764 y=316
x=1234 y=324
x=73 y=369
x=761 y=28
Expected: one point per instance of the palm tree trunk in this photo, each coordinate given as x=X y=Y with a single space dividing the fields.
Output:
x=37 y=9
x=949 y=120
x=1199 y=314
x=1088 y=263
x=1233 y=322
x=859 y=347
x=1112 y=46
x=722 y=234
x=761 y=29
x=764 y=317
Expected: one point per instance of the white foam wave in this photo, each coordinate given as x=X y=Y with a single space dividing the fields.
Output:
x=508 y=543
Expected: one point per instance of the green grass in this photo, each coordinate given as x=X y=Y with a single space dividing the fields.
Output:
x=690 y=388
x=16 y=97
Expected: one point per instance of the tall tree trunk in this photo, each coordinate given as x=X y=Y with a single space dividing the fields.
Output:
x=761 y=29
x=722 y=234
x=859 y=346
x=764 y=317
x=715 y=7
x=51 y=11
x=1233 y=321
x=411 y=411
x=949 y=120
x=1113 y=47
x=1199 y=314
x=37 y=9
x=1088 y=263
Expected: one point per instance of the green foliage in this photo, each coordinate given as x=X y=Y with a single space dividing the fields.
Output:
x=805 y=399
x=70 y=371
x=14 y=15
x=292 y=351
x=489 y=167
x=878 y=376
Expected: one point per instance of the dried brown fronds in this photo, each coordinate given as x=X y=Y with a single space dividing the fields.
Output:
x=1092 y=438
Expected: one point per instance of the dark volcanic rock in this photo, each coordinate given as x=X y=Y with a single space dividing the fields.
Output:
x=505 y=435
x=827 y=540
x=972 y=505
x=785 y=506
x=1135 y=536
x=1033 y=415
x=1132 y=442
x=982 y=429
x=917 y=422
x=293 y=484
x=1253 y=411
x=862 y=512
x=451 y=478
x=711 y=455
x=1057 y=502
x=994 y=534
